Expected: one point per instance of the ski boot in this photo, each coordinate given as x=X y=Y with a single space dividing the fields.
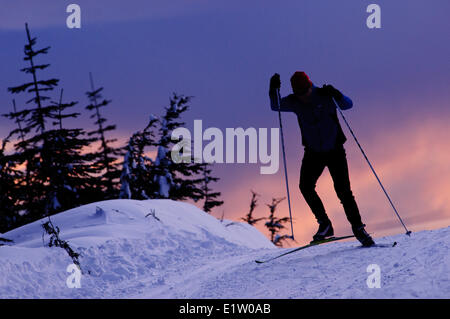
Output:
x=363 y=237
x=325 y=230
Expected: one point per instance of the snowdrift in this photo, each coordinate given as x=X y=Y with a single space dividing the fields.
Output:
x=167 y=249
x=120 y=240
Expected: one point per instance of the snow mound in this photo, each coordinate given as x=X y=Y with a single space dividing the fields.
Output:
x=119 y=240
x=98 y=222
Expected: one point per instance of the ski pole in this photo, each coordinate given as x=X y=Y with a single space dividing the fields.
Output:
x=284 y=161
x=408 y=232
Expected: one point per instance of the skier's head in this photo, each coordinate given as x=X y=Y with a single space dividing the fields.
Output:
x=301 y=84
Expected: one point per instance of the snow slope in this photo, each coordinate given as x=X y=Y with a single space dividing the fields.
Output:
x=167 y=249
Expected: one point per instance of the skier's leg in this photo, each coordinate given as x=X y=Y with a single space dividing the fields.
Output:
x=338 y=167
x=312 y=167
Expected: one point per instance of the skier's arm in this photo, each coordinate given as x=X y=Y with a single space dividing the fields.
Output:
x=342 y=101
x=274 y=105
x=275 y=84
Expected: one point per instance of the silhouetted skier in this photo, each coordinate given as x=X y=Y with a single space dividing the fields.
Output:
x=323 y=139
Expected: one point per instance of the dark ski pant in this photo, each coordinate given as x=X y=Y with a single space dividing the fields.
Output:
x=313 y=164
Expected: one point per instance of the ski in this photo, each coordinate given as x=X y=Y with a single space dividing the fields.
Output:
x=381 y=245
x=313 y=243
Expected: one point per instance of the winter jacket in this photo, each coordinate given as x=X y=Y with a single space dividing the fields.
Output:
x=318 y=120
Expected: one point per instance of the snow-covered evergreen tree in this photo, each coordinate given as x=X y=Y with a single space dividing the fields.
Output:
x=126 y=177
x=136 y=178
x=144 y=178
x=177 y=181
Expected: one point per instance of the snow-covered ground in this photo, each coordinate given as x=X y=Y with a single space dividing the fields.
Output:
x=167 y=249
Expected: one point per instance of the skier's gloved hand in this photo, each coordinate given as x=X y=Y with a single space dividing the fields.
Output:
x=330 y=90
x=275 y=82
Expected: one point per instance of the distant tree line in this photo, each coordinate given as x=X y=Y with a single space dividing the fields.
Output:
x=52 y=167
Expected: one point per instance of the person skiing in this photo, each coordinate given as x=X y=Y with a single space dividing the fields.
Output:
x=323 y=140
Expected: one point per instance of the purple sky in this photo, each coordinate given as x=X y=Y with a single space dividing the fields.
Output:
x=224 y=54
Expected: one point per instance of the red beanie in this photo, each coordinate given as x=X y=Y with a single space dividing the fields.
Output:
x=300 y=82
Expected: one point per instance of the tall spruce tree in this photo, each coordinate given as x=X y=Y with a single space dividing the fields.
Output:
x=177 y=181
x=210 y=197
x=35 y=152
x=73 y=184
x=54 y=169
x=105 y=159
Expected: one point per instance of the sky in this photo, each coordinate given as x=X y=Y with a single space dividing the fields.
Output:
x=223 y=54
